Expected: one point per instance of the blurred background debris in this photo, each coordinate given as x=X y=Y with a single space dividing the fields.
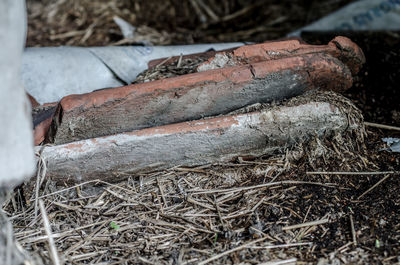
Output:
x=91 y=23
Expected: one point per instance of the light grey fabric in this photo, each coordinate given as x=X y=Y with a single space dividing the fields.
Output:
x=359 y=15
x=16 y=139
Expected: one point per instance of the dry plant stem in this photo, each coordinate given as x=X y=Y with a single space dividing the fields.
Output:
x=219 y=213
x=208 y=10
x=163 y=62
x=200 y=14
x=382 y=126
x=344 y=247
x=179 y=61
x=352 y=173
x=308 y=211
x=244 y=246
x=95 y=181
x=293 y=260
x=144 y=231
x=37 y=188
x=162 y=192
x=374 y=186
x=67 y=34
x=86 y=240
x=313 y=223
x=42 y=238
x=353 y=231
x=40 y=175
x=279 y=183
x=241 y=12
x=282 y=245
x=53 y=251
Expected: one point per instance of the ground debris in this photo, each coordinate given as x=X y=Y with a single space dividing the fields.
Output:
x=167 y=70
x=252 y=210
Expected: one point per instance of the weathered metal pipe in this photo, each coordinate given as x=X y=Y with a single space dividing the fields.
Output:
x=193 y=96
x=200 y=142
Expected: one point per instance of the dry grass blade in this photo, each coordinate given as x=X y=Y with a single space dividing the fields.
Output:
x=68 y=34
x=231 y=251
x=374 y=186
x=280 y=262
x=289 y=245
x=199 y=12
x=352 y=173
x=159 y=218
x=353 y=231
x=40 y=175
x=53 y=250
x=241 y=12
x=270 y=184
x=208 y=10
x=313 y=223
x=382 y=126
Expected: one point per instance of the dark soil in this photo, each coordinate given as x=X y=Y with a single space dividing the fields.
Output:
x=375 y=91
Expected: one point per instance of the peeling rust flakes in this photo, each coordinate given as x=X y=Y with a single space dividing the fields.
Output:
x=76 y=146
x=185 y=127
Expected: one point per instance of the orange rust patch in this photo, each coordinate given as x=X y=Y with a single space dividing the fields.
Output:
x=74 y=145
x=260 y=50
x=192 y=126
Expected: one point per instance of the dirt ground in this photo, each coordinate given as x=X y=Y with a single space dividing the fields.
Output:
x=306 y=206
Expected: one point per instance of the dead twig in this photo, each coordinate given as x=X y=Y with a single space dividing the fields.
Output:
x=68 y=34
x=53 y=250
x=374 y=186
x=162 y=192
x=353 y=231
x=208 y=10
x=287 y=182
x=40 y=175
x=244 y=246
x=280 y=262
x=219 y=214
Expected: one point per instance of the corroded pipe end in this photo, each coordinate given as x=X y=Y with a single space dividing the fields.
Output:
x=351 y=54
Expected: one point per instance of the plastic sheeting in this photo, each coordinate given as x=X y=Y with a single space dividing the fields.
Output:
x=393 y=143
x=51 y=73
x=360 y=15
